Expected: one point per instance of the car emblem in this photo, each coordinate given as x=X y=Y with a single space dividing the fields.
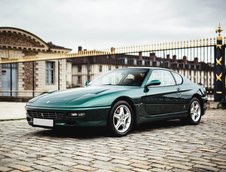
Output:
x=42 y=115
x=48 y=101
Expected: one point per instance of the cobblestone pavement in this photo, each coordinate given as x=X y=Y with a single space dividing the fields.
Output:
x=163 y=146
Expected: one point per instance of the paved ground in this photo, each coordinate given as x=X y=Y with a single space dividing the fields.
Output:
x=165 y=146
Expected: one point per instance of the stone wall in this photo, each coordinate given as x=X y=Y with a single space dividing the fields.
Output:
x=63 y=73
x=41 y=84
x=0 y=78
x=28 y=75
x=69 y=74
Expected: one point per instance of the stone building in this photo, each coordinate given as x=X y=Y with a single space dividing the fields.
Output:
x=19 y=79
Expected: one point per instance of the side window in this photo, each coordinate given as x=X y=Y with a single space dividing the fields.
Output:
x=165 y=77
x=79 y=68
x=100 y=68
x=50 y=69
x=178 y=78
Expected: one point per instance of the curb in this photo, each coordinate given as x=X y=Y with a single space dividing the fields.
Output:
x=12 y=119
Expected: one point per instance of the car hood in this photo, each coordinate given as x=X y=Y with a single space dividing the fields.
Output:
x=73 y=97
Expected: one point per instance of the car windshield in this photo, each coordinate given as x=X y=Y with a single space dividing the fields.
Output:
x=123 y=77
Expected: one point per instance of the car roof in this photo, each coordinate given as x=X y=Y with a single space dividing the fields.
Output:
x=152 y=68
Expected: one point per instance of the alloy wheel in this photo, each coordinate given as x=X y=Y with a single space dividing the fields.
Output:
x=122 y=118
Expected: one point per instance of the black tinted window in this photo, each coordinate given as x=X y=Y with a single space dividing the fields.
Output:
x=163 y=76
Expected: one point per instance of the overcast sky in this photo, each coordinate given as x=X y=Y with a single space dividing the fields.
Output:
x=105 y=23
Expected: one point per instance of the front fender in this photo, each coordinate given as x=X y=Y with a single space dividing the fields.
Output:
x=107 y=99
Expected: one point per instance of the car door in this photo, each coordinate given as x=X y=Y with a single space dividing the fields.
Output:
x=163 y=98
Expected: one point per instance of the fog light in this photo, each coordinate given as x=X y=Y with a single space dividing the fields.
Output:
x=77 y=114
x=74 y=114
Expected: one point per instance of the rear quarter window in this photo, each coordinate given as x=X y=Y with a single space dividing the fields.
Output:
x=177 y=78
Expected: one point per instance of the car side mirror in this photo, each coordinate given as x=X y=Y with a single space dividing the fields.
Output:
x=152 y=82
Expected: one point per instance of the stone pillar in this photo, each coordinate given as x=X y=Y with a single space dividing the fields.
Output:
x=185 y=61
x=168 y=57
x=63 y=74
x=174 y=58
x=219 y=68
x=140 y=56
x=0 y=78
x=196 y=60
x=152 y=57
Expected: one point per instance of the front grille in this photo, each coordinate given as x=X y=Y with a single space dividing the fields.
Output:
x=46 y=115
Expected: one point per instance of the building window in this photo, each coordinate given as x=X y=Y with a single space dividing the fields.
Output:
x=89 y=68
x=50 y=72
x=79 y=80
x=130 y=62
x=100 y=68
x=139 y=62
x=79 y=68
x=121 y=61
x=147 y=63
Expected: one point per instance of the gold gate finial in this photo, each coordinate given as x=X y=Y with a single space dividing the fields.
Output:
x=219 y=30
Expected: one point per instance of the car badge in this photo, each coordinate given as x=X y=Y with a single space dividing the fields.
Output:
x=48 y=101
x=42 y=115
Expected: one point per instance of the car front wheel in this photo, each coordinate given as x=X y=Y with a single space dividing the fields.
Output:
x=121 y=118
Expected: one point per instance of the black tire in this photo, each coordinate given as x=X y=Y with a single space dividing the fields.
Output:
x=194 y=112
x=127 y=124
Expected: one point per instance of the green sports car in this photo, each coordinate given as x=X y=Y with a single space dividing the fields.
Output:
x=120 y=99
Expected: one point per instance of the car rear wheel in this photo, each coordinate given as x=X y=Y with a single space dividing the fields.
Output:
x=195 y=112
x=121 y=118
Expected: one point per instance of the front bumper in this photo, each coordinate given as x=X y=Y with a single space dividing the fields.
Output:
x=93 y=116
